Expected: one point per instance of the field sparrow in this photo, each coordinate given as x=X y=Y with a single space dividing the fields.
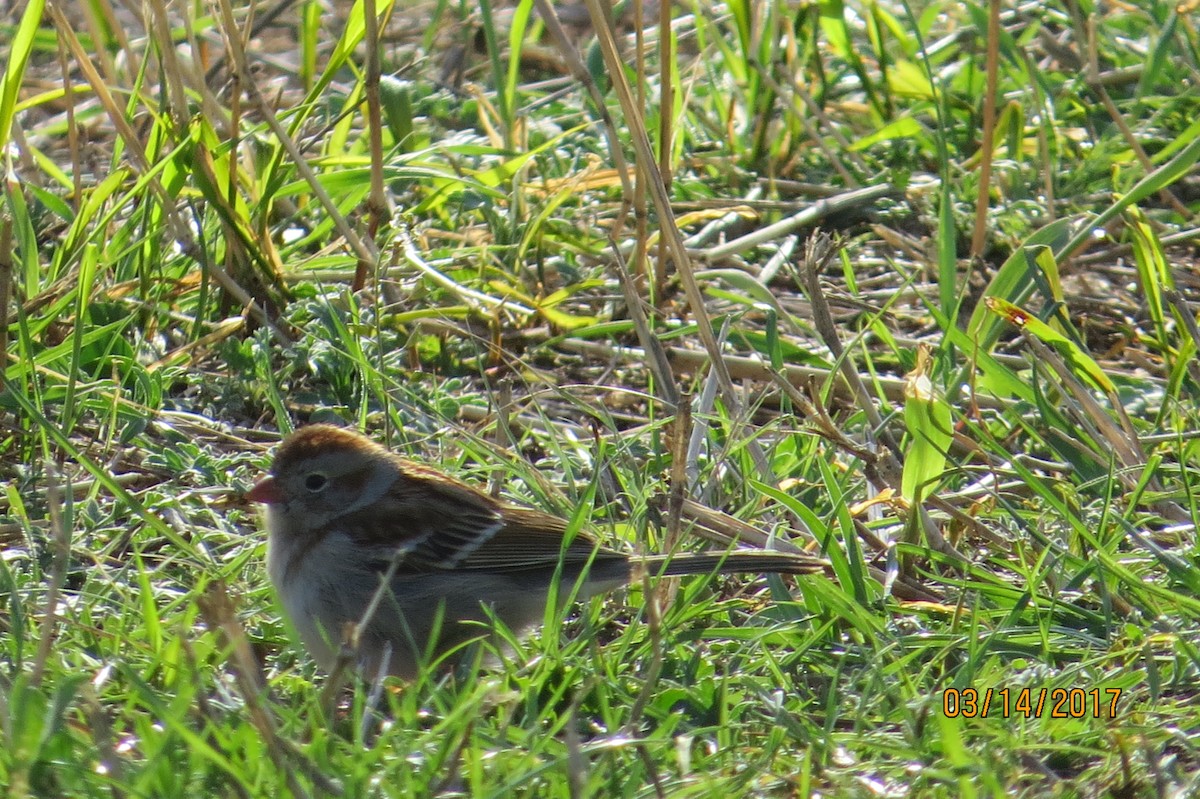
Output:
x=342 y=511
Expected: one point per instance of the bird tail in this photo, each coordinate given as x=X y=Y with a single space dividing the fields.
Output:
x=739 y=561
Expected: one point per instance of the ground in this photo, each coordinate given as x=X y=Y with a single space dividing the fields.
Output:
x=912 y=288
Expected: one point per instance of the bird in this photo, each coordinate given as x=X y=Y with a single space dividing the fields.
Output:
x=344 y=514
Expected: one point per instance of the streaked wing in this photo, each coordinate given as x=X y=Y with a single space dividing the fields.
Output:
x=530 y=539
x=437 y=523
x=443 y=524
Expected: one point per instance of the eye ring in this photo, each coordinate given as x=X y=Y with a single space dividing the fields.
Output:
x=316 y=482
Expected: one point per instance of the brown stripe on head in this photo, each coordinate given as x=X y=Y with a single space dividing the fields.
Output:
x=318 y=440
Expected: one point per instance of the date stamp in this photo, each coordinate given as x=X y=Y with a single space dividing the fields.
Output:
x=1030 y=703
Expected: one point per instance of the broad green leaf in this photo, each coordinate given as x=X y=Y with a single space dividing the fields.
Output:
x=1014 y=280
x=1156 y=181
x=547 y=306
x=14 y=72
x=903 y=128
x=927 y=418
x=1154 y=275
x=909 y=80
x=1080 y=362
x=396 y=100
x=352 y=35
x=516 y=39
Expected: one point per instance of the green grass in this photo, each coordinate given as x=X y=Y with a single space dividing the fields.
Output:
x=475 y=280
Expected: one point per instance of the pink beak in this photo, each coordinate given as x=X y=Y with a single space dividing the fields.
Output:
x=265 y=491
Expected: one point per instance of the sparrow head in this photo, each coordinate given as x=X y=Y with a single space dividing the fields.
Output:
x=322 y=472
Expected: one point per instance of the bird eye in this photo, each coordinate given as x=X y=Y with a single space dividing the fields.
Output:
x=316 y=482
